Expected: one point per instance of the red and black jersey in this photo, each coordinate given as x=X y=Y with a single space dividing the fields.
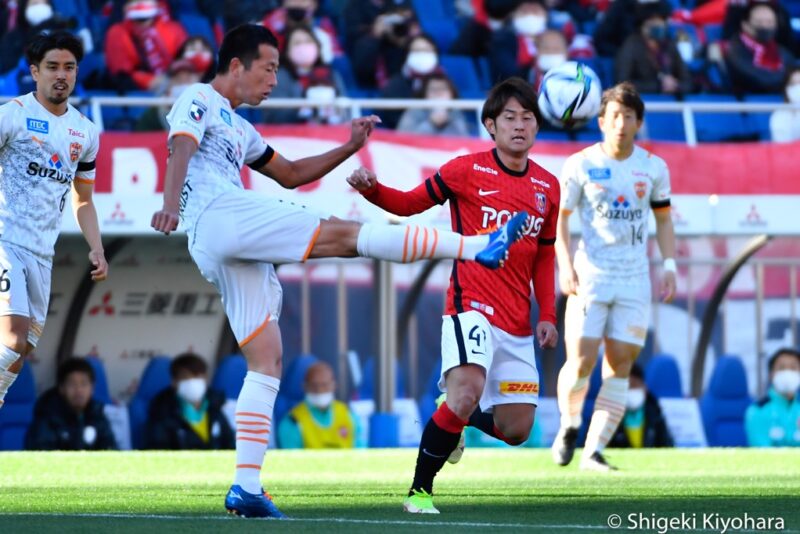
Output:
x=483 y=195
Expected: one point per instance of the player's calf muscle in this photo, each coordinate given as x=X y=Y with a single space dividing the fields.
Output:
x=336 y=239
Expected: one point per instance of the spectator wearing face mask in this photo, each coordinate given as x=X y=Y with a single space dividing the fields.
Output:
x=303 y=74
x=422 y=59
x=737 y=10
x=377 y=33
x=512 y=49
x=438 y=121
x=33 y=17
x=188 y=415
x=66 y=417
x=320 y=421
x=785 y=124
x=620 y=21
x=140 y=49
x=552 y=52
x=304 y=13
x=200 y=53
x=774 y=421
x=182 y=74
x=651 y=61
x=643 y=424
x=756 y=62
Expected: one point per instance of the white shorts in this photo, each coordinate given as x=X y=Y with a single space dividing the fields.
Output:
x=616 y=311
x=235 y=243
x=24 y=288
x=510 y=361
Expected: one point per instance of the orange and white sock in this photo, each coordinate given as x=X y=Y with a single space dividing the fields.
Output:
x=404 y=244
x=609 y=408
x=254 y=409
x=571 y=391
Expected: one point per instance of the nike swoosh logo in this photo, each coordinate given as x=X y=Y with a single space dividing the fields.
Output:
x=483 y=193
x=433 y=455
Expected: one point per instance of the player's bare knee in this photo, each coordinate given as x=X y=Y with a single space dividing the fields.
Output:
x=517 y=437
x=16 y=340
x=463 y=402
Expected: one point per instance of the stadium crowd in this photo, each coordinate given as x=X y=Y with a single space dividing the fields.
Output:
x=427 y=49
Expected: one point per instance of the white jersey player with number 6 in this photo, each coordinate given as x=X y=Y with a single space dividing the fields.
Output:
x=47 y=149
x=613 y=185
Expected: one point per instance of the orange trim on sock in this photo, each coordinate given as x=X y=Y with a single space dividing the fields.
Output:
x=257 y=331
x=253 y=414
x=414 y=244
x=461 y=247
x=311 y=244
x=424 y=244
x=259 y=423
x=250 y=431
x=405 y=244
x=248 y=466
x=435 y=242
x=257 y=440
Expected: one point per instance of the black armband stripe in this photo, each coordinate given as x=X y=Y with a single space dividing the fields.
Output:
x=265 y=158
x=84 y=166
x=656 y=204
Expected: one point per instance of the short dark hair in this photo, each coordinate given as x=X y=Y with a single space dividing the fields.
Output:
x=74 y=365
x=243 y=42
x=187 y=361
x=502 y=92
x=624 y=93
x=437 y=77
x=59 y=40
x=780 y=352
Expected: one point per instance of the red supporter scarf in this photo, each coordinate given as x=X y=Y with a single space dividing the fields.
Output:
x=156 y=54
x=765 y=56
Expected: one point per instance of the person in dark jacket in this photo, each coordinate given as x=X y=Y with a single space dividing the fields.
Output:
x=650 y=59
x=188 y=415
x=644 y=424
x=66 y=417
x=619 y=21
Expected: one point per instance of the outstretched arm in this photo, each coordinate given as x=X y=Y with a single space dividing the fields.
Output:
x=402 y=203
x=86 y=215
x=291 y=174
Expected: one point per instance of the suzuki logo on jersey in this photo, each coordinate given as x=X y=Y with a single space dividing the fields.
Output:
x=640 y=188
x=54 y=162
x=38 y=125
x=541 y=202
x=34 y=169
x=487 y=170
x=494 y=219
x=619 y=209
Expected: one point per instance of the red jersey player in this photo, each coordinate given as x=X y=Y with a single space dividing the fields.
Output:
x=488 y=365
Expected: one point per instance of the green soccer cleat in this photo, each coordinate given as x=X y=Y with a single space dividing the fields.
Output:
x=458 y=452
x=419 y=502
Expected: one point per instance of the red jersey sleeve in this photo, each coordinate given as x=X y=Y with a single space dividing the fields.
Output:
x=544 y=267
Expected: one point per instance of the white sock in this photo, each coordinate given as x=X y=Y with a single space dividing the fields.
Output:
x=404 y=244
x=608 y=411
x=6 y=379
x=571 y=391
x=253 y=426
x=7 y=357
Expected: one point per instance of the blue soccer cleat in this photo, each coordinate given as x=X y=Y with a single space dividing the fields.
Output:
x=239 y=502
x=495 y=253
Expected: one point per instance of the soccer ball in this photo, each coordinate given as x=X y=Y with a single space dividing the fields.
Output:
x=570 y=95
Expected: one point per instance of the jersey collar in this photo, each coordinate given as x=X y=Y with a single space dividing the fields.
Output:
x=518 y=174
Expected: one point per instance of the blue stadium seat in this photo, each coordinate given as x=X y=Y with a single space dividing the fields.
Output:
x=663 y=126
x=366 y=390
x=724 y=403
x=17 y=412
x=462 y=70
x=713 y=32
x=230 y=375
x=427 y=401
x=717 y=127
x=662 y=377
x=758 y=123
x=196 y=24
x=154 y=379
x=101 y=393
x=433 y=18
x=291 y=392
x=91 y=63
x=341 y=64
x=604 y=68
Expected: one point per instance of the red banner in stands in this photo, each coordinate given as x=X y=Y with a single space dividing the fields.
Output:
x=751 y=181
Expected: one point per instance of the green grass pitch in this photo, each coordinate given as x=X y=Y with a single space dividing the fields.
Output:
x=362 y=491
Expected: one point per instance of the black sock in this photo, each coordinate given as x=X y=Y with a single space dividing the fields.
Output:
x=434 y=448
x=483 y=422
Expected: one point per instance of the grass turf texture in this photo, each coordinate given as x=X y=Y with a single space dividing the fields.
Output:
x=362 y=491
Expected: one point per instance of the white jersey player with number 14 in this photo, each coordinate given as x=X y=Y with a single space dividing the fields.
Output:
x=47 y=149
x=613 y=185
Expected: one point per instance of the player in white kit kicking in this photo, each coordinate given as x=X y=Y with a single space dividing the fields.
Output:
x=613 y=185
x=47 y=148
x=235 y=235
